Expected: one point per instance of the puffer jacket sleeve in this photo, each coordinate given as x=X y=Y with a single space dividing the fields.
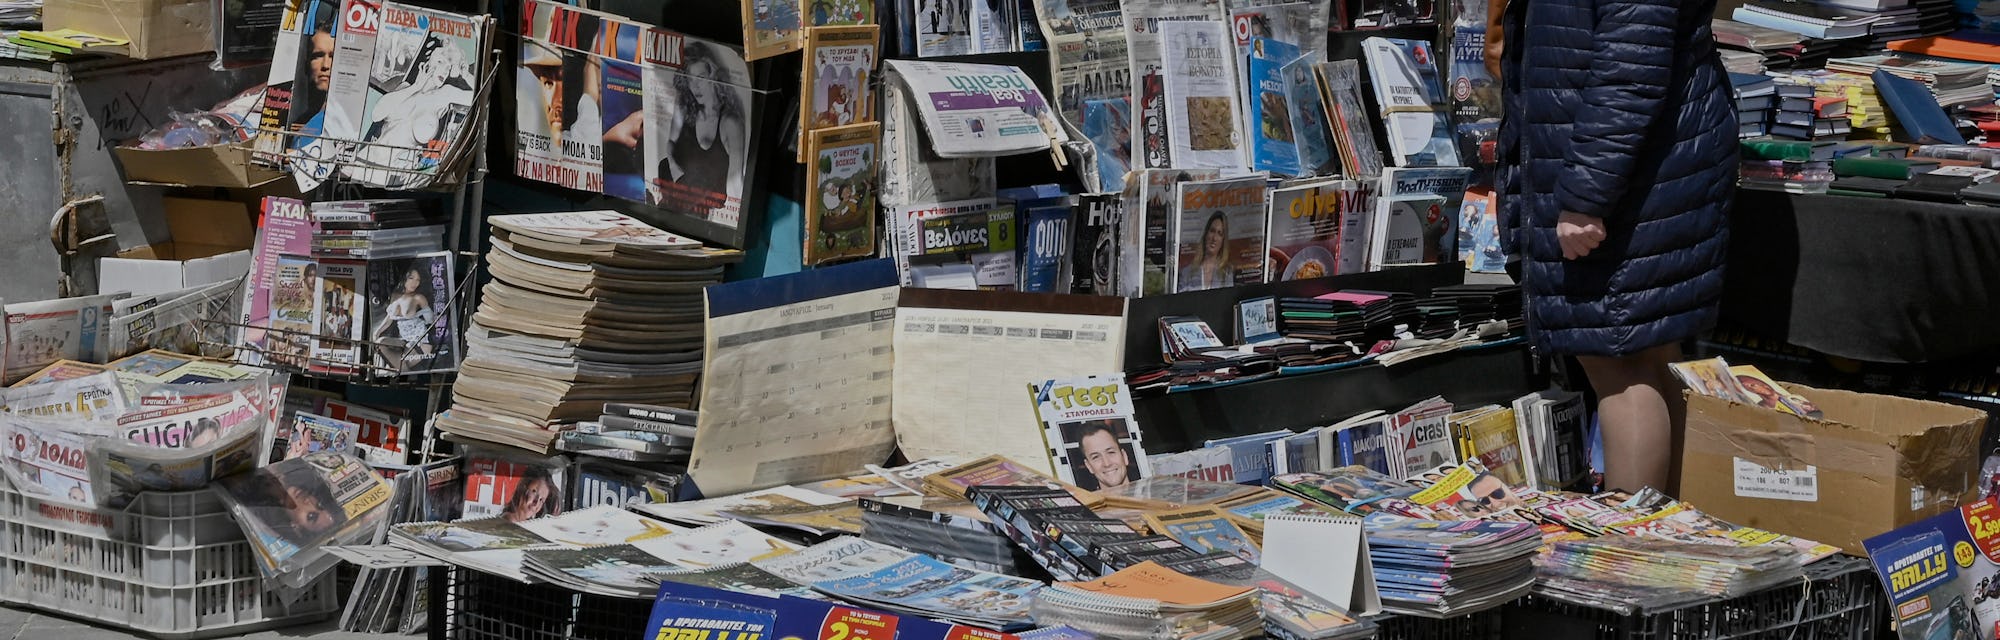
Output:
x=1631 y=64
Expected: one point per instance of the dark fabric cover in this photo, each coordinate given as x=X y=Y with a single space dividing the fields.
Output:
x=1873 y=279
x=1618 y=109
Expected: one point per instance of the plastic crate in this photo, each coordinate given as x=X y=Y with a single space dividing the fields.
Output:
x=1485 y=625
x=171 y=565
x=1840 y=600
x=480 y=606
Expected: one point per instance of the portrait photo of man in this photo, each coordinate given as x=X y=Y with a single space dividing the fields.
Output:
x=1100 y=454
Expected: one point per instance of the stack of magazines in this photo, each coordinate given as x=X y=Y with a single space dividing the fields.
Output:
x=584 y=308
x=373 y=229
x=1149 y=600
x=1664 y=564
x=1443 y=569
x=885 y=577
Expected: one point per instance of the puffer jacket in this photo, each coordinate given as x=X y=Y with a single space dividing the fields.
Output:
x=1618 y=109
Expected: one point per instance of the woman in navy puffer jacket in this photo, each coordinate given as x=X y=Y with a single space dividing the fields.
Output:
x=1618 y=150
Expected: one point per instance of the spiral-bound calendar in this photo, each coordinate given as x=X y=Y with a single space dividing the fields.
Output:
x=1325 y=555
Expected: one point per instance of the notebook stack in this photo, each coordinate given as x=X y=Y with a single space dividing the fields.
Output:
x=1935 y=18
x=1756 y=100
x=1795 y=116
x=1953 y=84
x=1481 y=303
x=1384 y=314
x=584 y=309
x=1437 y=569
x=1814 y=21
x=1320 y=319
x=373 y=229
x=1150 y=600
x=1716 y=570
x=1763 y=42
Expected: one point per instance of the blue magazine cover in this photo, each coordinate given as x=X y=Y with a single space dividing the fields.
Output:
x=1108 y=125
x=1367 y=445
x=1941 y=573
x=1309 y=130
x=794 y=617
x=1044 y=248
x=1273 y=145
x=1475 y=97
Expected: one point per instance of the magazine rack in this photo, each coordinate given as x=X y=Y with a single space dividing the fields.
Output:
x=460 y=165
x=368 y=371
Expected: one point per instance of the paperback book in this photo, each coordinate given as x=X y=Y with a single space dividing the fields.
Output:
x=1094 y=441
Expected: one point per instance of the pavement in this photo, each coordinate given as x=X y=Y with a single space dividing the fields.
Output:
x=25 y=624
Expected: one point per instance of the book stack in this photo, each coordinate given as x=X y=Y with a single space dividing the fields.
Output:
x=584 y=308
x=1716 y=570
x=1150 y=600
x=1935 y=18
x=1796 y=115
x=1743 y=43
x=1443 y=569
x=1756 y=99
x=634 y=433
x=1953 y=84
x=1865 y=111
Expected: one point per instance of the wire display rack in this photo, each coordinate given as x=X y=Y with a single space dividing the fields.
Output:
x=374 y=364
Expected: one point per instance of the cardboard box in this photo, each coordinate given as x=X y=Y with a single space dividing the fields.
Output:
x=1874 y=463
x=157 y=28
x=212 y=240
x=222 y=165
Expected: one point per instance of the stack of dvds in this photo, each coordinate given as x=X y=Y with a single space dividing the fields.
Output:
x=634 y=433
x=1442 y=569
x=373 y=229
x=584 y=309
x=956 y=538
x=1716 y=570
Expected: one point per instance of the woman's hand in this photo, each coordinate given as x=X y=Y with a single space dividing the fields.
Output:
x=1578 y=234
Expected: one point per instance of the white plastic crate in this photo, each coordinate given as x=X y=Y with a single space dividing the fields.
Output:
x=171 y=565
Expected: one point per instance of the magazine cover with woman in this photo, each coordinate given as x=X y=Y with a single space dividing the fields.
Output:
x=290 y=509
x=425 y=73
x=410 y=328
x=517 y=489
x=696 y=127
x=1220 y=233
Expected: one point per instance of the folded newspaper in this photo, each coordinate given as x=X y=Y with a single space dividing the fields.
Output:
x=194 y=320
x=975 y=110
x=180 y=438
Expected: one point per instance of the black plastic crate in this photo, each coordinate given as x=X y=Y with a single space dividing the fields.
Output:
x=1840 y=600
x=1485 y=625
x=478 y=606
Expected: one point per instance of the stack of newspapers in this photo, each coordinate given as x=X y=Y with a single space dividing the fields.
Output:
x=1438 y=569
x=584 y=308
